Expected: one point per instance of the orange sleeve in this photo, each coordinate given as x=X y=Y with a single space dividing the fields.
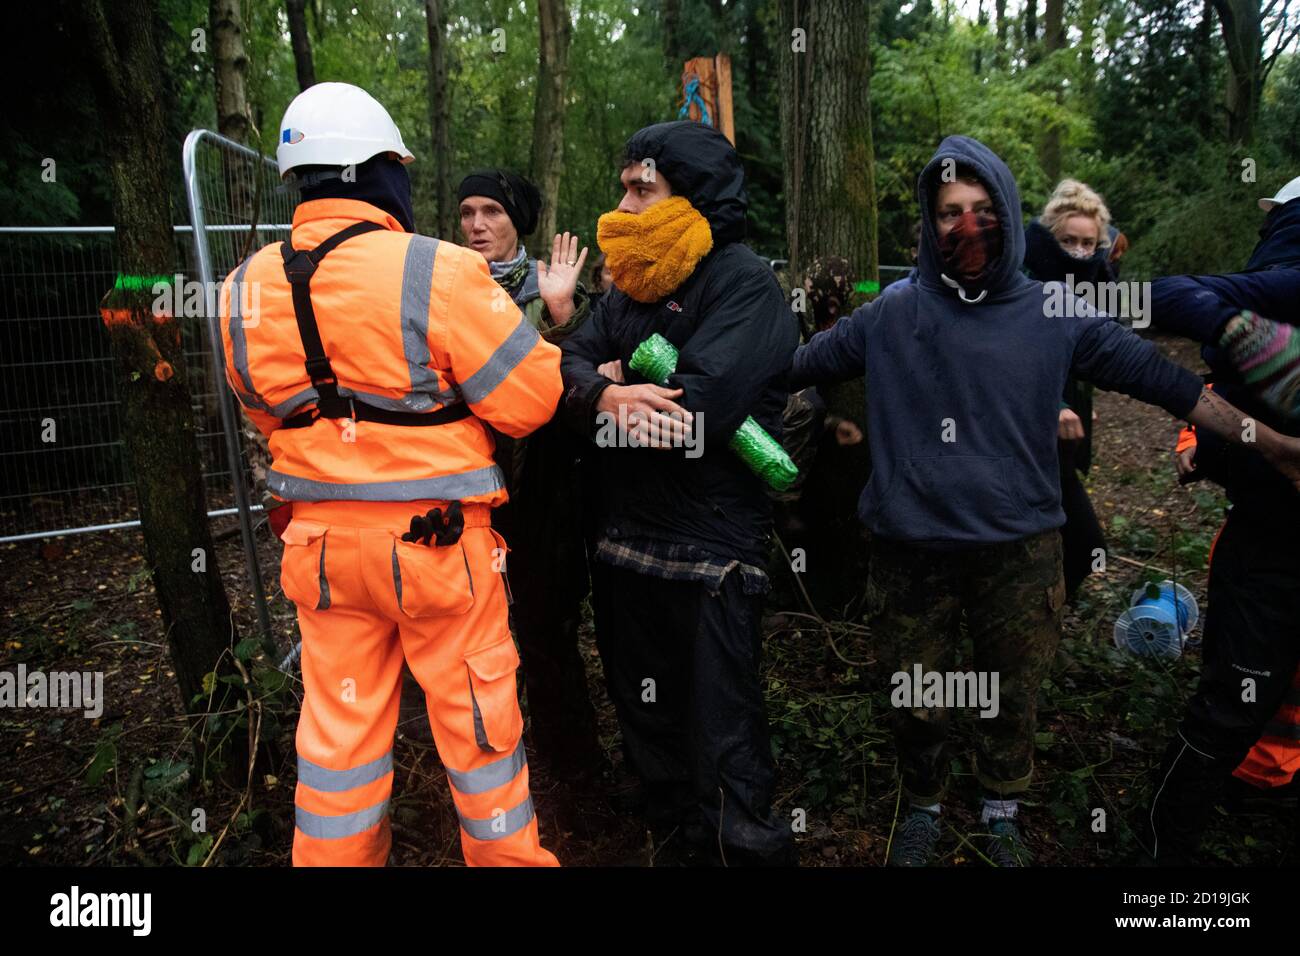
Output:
x=509 y=376
x=265 y=422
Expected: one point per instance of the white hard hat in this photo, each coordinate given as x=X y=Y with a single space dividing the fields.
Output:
x=1284 y=195
x=336 y=124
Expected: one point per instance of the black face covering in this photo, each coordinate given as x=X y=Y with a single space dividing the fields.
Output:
x=380 y=181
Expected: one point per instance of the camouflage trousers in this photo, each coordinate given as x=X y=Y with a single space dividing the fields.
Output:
x=1012 y=596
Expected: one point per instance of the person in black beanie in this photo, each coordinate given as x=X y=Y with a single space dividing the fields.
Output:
x=543 y=519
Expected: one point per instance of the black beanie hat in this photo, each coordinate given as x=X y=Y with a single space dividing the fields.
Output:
x=519 y=197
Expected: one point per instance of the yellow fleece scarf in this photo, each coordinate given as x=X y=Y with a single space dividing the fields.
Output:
x=651 y=253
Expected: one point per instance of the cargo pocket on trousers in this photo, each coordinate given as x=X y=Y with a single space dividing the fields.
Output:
x=302 y=568
x=494 y=698
x=431 y=581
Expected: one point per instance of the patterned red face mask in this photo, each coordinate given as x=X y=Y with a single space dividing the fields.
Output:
x=970 y=247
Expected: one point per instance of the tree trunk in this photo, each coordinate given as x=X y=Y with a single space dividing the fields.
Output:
x=1089 y=11
x=548 y=113
x=1202 y=56
x=1000 y=31
x=983 y=20
x=830 y=195
x=671 y=18
x=435 y=14
x=231 y=68
x=1053 y=40
x=1031 y=31
x=301 y=43
x=158 y=421
x=830 y=203
x=1243 y=39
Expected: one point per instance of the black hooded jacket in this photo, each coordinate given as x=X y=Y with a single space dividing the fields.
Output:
x=1047 y=261
x=736 y=336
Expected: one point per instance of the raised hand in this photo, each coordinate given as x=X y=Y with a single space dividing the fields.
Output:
x=557 y=282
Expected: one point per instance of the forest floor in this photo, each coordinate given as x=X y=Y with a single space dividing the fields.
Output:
x=121 y=789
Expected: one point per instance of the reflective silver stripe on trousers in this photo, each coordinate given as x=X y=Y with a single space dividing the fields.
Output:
x=501 y=362
x=481 y=481
x=335 y=828
x=499 y=825
x=337 y=781
x=489 y=776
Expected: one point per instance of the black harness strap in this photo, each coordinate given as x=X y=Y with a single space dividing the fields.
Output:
x=299 y=267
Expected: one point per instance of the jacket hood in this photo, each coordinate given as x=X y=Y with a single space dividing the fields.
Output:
x=1279 y=239
x=997 y=179
x=1047 y=261
x=700 y=164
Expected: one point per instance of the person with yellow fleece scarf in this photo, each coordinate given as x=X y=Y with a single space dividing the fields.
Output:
x=684 y=525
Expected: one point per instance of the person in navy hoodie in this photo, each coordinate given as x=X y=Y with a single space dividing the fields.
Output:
x=965 y=368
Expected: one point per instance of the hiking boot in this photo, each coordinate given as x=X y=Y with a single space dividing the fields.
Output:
x=915 y=840
x=1006 y=847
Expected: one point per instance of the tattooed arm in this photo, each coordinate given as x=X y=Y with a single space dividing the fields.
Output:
x=1230 y=423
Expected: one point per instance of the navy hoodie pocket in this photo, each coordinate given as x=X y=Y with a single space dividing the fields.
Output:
x=953 y=497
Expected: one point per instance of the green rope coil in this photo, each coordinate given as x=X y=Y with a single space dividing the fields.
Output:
x=656 y=359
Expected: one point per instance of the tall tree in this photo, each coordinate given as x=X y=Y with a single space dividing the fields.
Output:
x=1000 y=31
x=158 y=420
x=230 y=67
x=830 y=210
x=1053 y=40
x=1243 y=39
x=548 y=112
x=435 y=15
x=1031 y=31
x=830 y=194
x=300 y=40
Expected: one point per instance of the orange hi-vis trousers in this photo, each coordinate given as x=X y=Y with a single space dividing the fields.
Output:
x=367 y=599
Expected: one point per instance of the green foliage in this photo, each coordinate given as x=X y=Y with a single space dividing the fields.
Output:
x=925 y=89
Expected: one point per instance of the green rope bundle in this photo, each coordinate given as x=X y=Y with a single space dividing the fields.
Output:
x=656 y=359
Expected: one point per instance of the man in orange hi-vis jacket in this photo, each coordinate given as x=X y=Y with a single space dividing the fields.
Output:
x=374 y=361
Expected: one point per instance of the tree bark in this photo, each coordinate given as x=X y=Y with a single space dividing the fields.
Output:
x=1089 y=11
x=230 y=66
x=1031 y=31
x=1243 y=39
x=1202 y=56
x=830 y=195
x=435 y=14
x=1000 y=31
x=1053 y=40
x=671 y=18
x=158 y=421
x=548 y=113
x=300 y=40
x=830 y=209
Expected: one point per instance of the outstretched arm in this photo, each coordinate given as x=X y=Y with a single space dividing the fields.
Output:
x=1213 y=414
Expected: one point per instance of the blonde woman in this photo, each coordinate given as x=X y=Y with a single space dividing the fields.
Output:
x=1072 y=238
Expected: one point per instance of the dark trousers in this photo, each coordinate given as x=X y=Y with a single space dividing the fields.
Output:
x=682 y=669
x=1012 y=596
x=1252 y=633
x=1081 y=535
x=547 y=570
